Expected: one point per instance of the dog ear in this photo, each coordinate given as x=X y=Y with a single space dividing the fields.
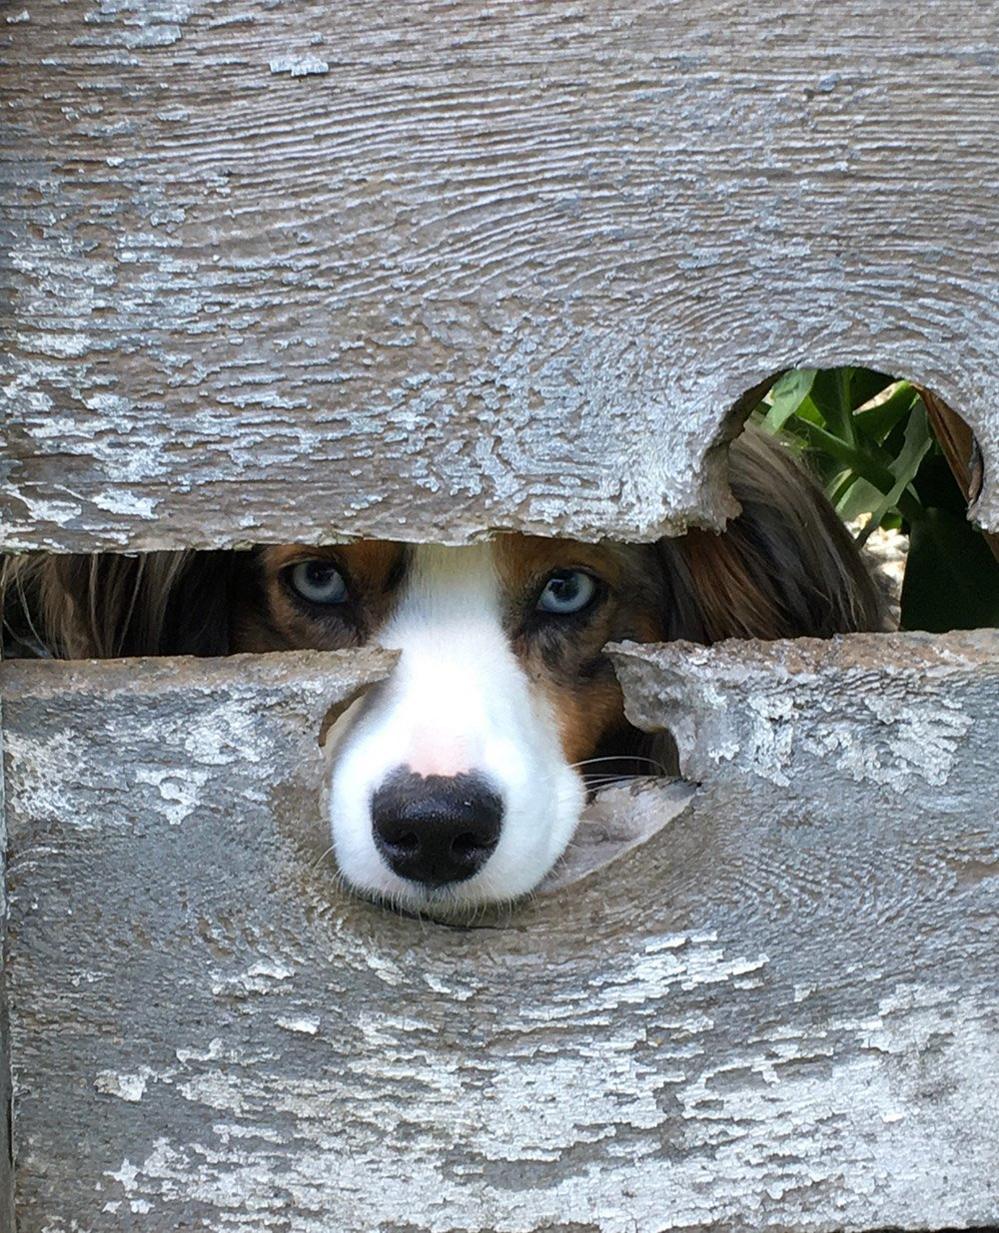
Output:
x=785 y=567
x=108 y=604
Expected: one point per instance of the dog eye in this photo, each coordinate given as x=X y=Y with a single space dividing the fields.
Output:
x=320 y=582
x=568 y=591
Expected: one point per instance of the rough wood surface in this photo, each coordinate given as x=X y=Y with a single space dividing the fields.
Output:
x=6 y=1161
x=520 y=259
x=781 y=1012
x=875 y=717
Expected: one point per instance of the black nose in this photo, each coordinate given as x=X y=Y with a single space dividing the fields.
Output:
x=436 y=829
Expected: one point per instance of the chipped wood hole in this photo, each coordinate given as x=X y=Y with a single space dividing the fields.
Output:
x=337 y=711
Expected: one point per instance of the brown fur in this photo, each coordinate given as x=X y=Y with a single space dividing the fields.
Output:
x=784 y=567
x=565 y=660
x=267 y=616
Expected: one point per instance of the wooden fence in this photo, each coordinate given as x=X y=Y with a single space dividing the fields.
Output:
x=294 y=271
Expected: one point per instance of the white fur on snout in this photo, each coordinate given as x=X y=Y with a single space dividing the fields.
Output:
x=458 y=700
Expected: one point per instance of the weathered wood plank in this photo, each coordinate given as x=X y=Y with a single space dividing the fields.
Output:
x=781 y=1012
x=417 y=271
x=871 y=715
x=6 y=1161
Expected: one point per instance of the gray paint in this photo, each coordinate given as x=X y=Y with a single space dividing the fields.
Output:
x=778 y=1012
x=300 y=270
x=6 y=1161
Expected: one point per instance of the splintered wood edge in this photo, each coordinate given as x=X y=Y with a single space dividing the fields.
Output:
x=886 y=709
x=166 y=674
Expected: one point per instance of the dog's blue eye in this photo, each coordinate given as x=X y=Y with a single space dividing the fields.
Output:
x=568 y=591
x=320 y=582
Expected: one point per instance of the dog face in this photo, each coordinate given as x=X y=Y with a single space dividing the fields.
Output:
x=457 y=781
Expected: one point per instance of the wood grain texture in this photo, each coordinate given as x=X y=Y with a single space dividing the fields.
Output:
x=6 y=1159
x=422 y=270
x=779 y=1013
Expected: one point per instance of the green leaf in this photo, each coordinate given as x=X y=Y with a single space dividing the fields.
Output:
x=875 y=423
x=787 y=395
x=808 y=412
x=936 y=486
x=872 y=464
x=951 y=577
x=915 y=446
x=840 y=483
x=860 y=498
x=830 y=393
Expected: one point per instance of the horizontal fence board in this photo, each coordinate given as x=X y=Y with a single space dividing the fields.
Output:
x=779 y=1012
x=6 y=1161
x=418 y=271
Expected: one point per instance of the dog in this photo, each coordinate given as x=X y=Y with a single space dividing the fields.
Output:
x=460 y=780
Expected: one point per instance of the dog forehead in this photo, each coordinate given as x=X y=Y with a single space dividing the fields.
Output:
x=508 y=563
x=377 y=565
x=501 y=571
x=456 y=582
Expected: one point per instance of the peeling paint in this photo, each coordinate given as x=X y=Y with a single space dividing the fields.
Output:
x=179 y=791
x=887 y=712
x=125 y=1087
x=123 y=502
x=306 y=1025
x=775 y=1008
x=300 y=66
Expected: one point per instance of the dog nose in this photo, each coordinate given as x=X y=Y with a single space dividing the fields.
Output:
x=436 y=829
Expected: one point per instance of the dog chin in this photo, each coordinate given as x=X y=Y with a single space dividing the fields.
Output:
x=454 y=900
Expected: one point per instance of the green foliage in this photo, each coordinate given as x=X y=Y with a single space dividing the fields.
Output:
x=868 y=438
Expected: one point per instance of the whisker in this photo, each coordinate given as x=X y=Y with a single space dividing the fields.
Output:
x=321 y=857
x=615 y=758
x=608 y=775
x=573 y=766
